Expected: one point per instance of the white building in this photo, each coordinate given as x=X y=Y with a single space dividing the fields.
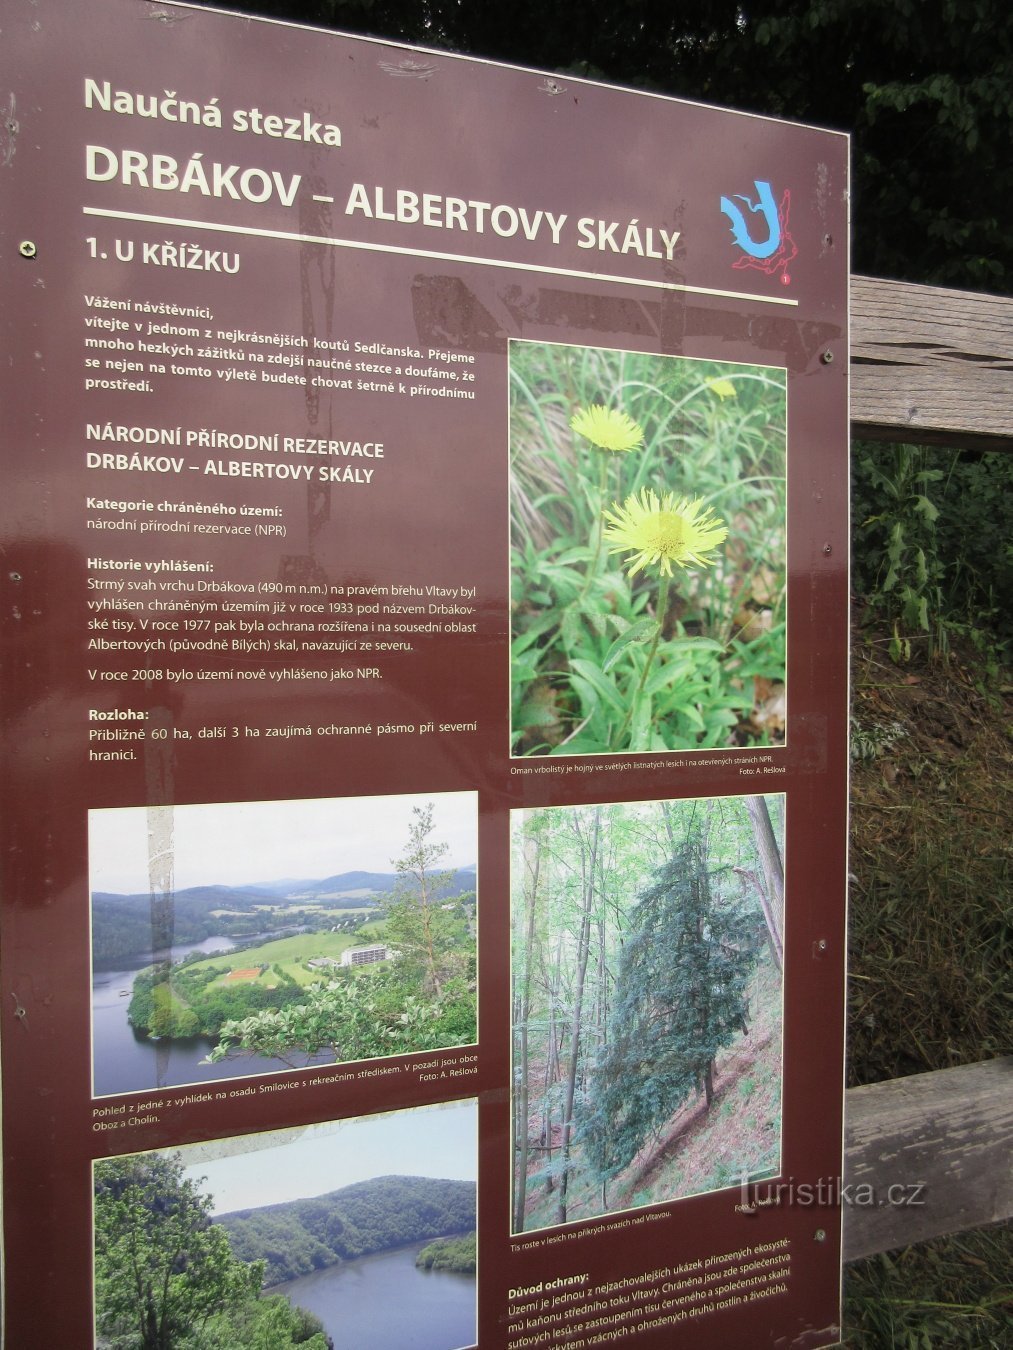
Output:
x=364 y=956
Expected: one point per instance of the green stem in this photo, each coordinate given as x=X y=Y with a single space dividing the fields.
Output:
x=592 y=570
x=660 y=612
x=602 y=485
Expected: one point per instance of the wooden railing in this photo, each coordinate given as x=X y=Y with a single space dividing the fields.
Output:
x=941 y=1141
x=929 y=366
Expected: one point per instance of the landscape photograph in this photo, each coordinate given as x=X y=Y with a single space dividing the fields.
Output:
x=358 y=1233
x=238 y=938
x=648 y=564
x=647 y=959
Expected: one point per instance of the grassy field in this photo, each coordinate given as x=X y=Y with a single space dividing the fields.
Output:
x=291 y=954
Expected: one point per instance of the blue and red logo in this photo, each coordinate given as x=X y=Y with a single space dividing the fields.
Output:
x=774 y=249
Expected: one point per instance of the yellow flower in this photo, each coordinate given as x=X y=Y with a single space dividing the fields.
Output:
x=607 y=428
x=660 y=531
x=723 y=388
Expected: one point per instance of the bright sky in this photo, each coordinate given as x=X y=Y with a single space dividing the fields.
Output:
x=236 y=843
x=265 y=1169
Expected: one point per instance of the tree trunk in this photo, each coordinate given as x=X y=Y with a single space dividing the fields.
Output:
x=773 y=931
x=532 y=867
x=583 y=946
x=770 y=861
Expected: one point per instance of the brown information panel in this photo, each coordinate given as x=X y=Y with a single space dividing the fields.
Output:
x=424 y=579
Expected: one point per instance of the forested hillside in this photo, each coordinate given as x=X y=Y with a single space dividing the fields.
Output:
x=647 y=990
x=123 y=934
x=299 y=1236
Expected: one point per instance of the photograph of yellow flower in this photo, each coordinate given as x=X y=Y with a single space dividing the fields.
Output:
x=648 y=523
x=607 y=428
x=662 y=531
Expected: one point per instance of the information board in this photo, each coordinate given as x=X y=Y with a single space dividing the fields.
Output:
x=425 y=610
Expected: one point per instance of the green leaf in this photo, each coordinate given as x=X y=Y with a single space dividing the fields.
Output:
x=669 y=673
x=692 y=714
x=532 y=634
x=605 y=689
x=579 y=554
x=696 y=644
x=572 y=632
x=642 y=728
x=595 y=618
x=537 y=713
x=645 y=630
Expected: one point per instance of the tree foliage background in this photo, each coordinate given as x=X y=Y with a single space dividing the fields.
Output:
x=925 y=90
x=925 y=87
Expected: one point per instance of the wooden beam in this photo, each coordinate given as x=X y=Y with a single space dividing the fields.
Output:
x=931 y=366
x=948 y=1132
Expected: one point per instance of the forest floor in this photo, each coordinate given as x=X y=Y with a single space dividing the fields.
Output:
x=739 y=1138
x=697 y=1150
x=931 y=942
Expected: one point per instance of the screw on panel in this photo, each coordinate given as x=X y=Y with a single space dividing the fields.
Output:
x=820 y=1235
x=827 y=357
x=27 y=249
x=828 y=549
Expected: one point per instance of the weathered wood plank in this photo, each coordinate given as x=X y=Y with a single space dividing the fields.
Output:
x=931 y=365
x=951 y=1133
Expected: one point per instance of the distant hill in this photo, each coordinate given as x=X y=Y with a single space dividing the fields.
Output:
x=122 y=926
x=357 y=884
x=299 y=1236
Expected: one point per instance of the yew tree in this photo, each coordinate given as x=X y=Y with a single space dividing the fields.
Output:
x=682 y=984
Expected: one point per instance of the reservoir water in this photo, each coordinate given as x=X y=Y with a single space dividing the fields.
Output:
x=124 y=1061
x=385 y=1302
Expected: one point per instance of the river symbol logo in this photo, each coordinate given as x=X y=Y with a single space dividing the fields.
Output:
x=774 y=249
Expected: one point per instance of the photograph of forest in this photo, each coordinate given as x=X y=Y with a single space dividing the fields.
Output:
x=250 y=937
x=647 y=956
x=648 y=519
x=311 y=1237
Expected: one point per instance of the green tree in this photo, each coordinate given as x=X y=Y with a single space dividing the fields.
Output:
x=682 y=998
x=355 y=1019
x=450 y=1254
x=162 y=1268
x=422 y=934
x=262 y=1324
